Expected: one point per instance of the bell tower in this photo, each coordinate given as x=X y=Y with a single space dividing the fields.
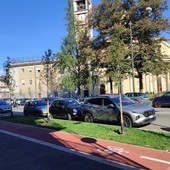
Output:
x=82 y=11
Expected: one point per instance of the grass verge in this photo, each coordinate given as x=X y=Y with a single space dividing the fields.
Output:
x=151 y=139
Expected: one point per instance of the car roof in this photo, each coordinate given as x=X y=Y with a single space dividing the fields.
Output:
x=103 y=96
x=37 y=100
x=110 y=95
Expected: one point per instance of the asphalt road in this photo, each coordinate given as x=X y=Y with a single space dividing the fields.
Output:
x=162 y=123
x=20 y=154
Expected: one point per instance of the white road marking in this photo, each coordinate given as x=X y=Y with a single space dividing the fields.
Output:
x=112 y=149
x=156 y=160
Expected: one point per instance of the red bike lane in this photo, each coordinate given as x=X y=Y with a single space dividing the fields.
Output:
x=123 y=154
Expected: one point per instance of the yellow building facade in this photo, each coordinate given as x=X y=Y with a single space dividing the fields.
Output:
x=27 y=79
x=151 y=83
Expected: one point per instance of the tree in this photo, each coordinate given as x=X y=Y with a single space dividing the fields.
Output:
x=117 y=65
x=146 y=29
x=48 y=74
x=7 y=78
x=72 y=60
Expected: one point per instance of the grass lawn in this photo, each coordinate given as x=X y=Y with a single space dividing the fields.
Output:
x=151 y=139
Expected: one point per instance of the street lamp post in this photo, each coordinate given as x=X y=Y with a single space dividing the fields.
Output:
x=132 y=57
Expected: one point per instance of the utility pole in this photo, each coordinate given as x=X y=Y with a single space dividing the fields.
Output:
x=132 y=57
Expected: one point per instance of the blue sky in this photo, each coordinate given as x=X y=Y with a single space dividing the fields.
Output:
x=30 y=27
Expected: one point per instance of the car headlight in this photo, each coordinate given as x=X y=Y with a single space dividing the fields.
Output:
x=75 y=110
x=137 y=117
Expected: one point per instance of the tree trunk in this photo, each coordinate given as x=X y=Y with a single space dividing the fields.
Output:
x=140 y=81
x=111 y=85
x=79 y=89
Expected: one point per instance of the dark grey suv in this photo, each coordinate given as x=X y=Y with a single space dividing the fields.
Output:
x=107 y=109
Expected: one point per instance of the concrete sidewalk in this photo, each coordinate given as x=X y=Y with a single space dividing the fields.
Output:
x=118 y=155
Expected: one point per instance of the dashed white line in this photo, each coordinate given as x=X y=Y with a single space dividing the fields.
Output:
x=156 y=160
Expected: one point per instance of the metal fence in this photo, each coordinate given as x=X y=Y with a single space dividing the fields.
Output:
x=26 y=59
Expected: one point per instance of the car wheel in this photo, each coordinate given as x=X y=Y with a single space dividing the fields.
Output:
x=88 y=118
x=69 y=116
x=157 y=104
x=127 y=121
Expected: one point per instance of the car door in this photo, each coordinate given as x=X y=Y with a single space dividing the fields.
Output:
x=111 y=111
x=95 y=106
x=61 y=109
x=54 y=109
x=30 y=107
x=104 y=111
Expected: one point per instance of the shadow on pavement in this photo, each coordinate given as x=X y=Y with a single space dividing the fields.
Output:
x=73 y=142
x=162 y=127
x=166 y=129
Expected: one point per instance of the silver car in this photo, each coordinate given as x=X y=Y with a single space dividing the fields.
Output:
x=35 y=108
x=107 y=108
x=139 y=97
x=5 y=107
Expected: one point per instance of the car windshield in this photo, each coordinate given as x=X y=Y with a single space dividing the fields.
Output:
x=125 y=101
x=71 y=102
x=40 y=103
x=2 y=102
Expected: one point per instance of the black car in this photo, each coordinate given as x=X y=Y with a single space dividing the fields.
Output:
x=107 y=109
x=65 y=108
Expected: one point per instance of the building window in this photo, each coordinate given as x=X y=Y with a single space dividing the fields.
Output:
x=23 y=82
x=22 y=70
x=30 y=81
x=29 y=70
x=80 y=5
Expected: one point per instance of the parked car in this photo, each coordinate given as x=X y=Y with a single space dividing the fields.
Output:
x=18 y=101
x=23 y=101
x=65 y=108
x=161 y=101
x=139 y=97
x=35 y=108
x=8 y=100
x=5 y=107
x=107 y=109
